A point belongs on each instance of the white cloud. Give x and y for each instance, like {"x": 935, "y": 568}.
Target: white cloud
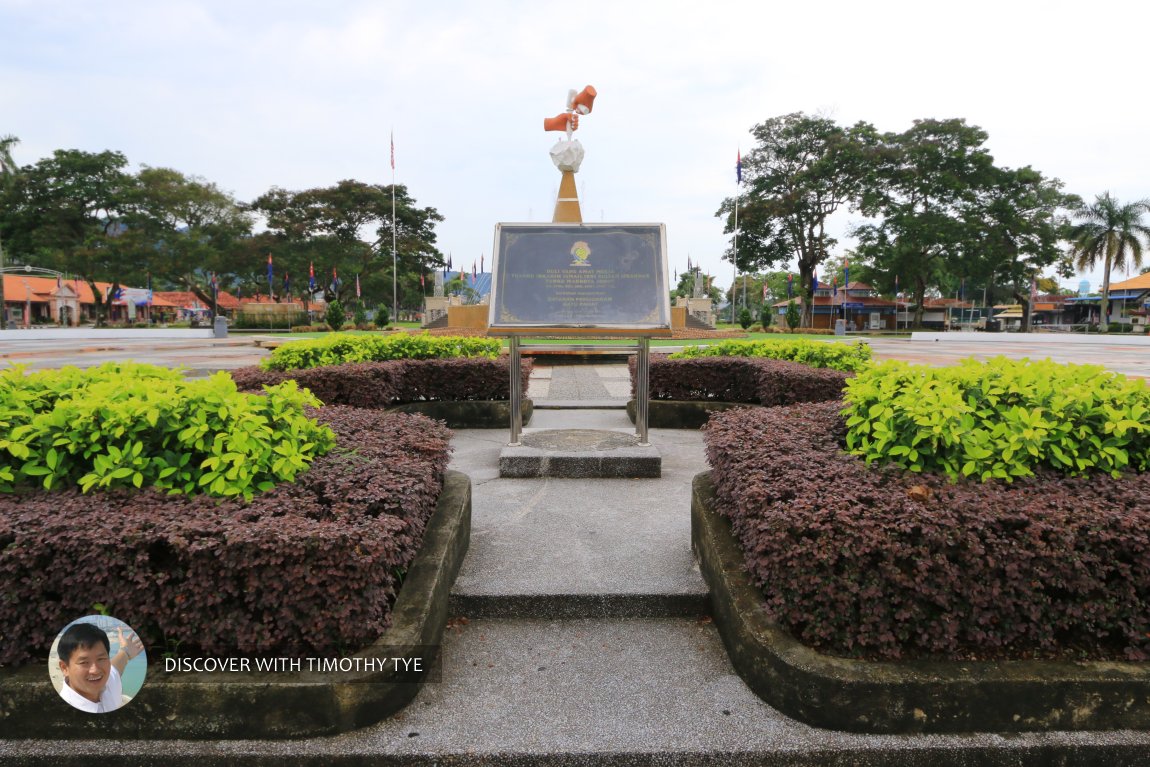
{"x": 297, "y": 94}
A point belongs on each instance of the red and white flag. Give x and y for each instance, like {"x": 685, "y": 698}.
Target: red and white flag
{"x": 393, "y": 150}
{"x": 357, "y": 295}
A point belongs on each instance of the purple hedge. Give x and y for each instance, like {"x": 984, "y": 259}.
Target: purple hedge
{"x": 872, "y": 562}
{"x": 383, "y": 384}
{"x": 307, "y": 567}
{"x": 753, "y": 380}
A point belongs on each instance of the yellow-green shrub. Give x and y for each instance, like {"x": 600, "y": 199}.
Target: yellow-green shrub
{"x": 848, "y": 358}
{"x": 1000, "y": 419}
{"x": 339, "y": 348}
{"x": 129, "y": 425}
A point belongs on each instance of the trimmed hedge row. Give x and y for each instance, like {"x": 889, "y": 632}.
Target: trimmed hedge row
{"x": 383, "y": 384}
{"x": 340, "y": 348}
{"x": 310, "y": 567}
{"x": 125, "y": 425}
{"x": 848, "y": 357}
{"x": 752, "y": 380}
{"x": 880, "y": 563}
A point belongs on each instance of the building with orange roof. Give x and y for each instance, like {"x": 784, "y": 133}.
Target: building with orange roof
{"x": 31, "y": 300}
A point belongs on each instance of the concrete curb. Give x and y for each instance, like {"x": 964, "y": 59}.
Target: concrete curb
{"x": 901, "y": 697}
{"x": 467, "y": 414}
{"x": 682, "y": 414}
{"x": 271, "y": 705}
{"x": 580, "y": 606}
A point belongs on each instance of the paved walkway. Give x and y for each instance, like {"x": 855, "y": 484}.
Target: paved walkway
{"x": 586, "y": 638}
{"x": 587, "y": 641}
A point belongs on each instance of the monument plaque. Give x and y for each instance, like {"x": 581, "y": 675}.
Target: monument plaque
{"x": 580, "y": 279}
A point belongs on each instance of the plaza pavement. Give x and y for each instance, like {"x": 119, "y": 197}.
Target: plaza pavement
{"x": 587, "y": 639}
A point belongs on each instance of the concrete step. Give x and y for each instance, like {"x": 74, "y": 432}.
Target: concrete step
{"x": 566, "y": 548}
{"x": 594, "y": 692}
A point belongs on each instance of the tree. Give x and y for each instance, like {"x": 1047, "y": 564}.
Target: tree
{"x": 67, "y": 210}
{"x": 926, "y": 180}
{"x": 792, "y": 316}
{"x": 335, "y": 317}
{"x": 1016, "y": 229}
{"x": 189, "y": 229}
{"x": 7, "y": 172}
{"x": 802, "y": 171}
{"x": 686, "y": 286}
{"x": 745, "y": 318}
{"x": 348, "y": 227}
{"x": 1110, "y": 232}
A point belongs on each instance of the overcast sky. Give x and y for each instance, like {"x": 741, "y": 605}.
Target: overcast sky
{"x": 252, "y": 95}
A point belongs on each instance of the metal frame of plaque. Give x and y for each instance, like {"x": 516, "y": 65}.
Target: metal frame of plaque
{"x": 580, "y": 280}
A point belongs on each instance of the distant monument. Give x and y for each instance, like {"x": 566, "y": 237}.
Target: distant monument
{"x": 568, "y": 155}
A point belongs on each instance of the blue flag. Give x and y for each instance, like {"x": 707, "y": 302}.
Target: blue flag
{"x": 739, "y": 167}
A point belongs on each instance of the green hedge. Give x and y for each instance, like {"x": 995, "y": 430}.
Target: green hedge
{"x": 848, "y": 358}
{"x": 1000, "y": 419}
{"x": 125, "y": 425}
{"x": 339, "y": 348}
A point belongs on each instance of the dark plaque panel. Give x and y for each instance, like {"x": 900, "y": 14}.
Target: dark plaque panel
{"x": 580, "y": 276}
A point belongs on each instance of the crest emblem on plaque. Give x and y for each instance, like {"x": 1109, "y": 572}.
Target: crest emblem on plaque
{"x": 581, "y": 251}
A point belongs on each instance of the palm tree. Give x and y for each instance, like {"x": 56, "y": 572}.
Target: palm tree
{"x": 1108, "y": 231}
{"x": 7, "y": 171}
{"x": 7, "y": 164}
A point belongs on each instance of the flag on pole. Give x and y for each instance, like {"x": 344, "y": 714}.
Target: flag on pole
{"x": 287, "y": 284}
{"x": 481, "y": 255}
{"x": 896, "y": 286}
{"x": 739, "y": 167}
{"x": 357, "y": 294}
{"x": 814, "y": 281}
{"x": 311, "y": 277}
{"x": 393, "y": 150}
{"x": 790, "y": 285}
{"x": 764, "y": 292}
{"x": 269, "y": 274}
{"x": 474, "y": 274}
{"x": 421, "y": 283}
{"x": 835, "y": 287}
{"x": 846, "y": 273}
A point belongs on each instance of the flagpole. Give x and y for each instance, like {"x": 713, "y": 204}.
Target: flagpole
{"x": 394, "y": 272}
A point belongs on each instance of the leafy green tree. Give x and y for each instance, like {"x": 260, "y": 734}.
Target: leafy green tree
{"x": 7, "y": 174}
{"x": 686, "y": 286}
{"x": 335, "y": 316}
{"x": 190, "y": 229}
{"x": 1109, "y": 232}
{"x": 924, "y": 184}
{"x": 359, "y": 316}
{"x": 66, "y": 212}
{"x": 801, "y": 172}
{"x": 382, "y": 317}
{"x": 792, "y": 316}
{"x": 1016, "y": 228}
{"x": 349, "y": 227}
{"x": 765, "y": 315}
{"x": 745, "y": 318}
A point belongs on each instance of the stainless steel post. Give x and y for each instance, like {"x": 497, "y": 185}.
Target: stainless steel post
{"x": 642, "y": 391}
{"x": 516, "y": 393}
